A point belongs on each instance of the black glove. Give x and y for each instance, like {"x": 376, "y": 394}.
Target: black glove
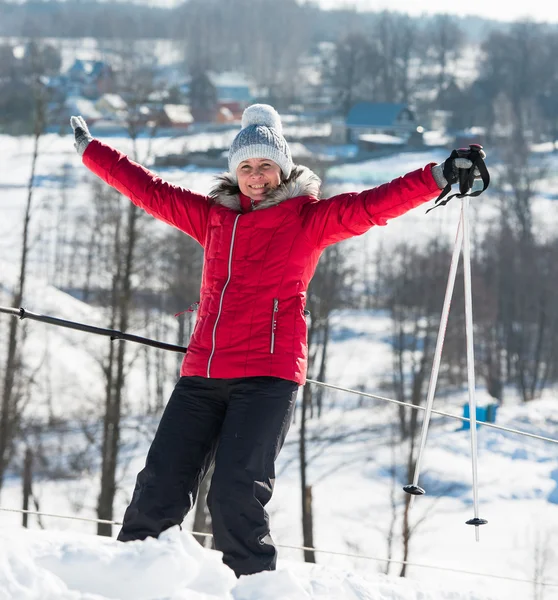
{"x": 82, "y": 135}
{"x": 450, "y": 171}
{"x": 463, "y": 166}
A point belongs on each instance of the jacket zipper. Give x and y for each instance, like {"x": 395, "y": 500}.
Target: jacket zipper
{"x": 222, "y": 296}
{"x": 274, "y": 323}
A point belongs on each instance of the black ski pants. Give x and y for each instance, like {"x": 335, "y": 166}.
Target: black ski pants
{"x": 240, "y": 424}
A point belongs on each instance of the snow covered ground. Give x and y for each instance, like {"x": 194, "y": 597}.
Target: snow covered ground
{"x": 69, "y": 566}
{"x": 352, "y": 483}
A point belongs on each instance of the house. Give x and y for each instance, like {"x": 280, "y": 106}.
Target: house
{"x": 392, "y": 119}
{"x": 112, "y": 107}
{"x": 233, "y": 88}
{"x": 94, "y": 77}
{"x": 176, "y": 116}
{"x": 225, "y": 115}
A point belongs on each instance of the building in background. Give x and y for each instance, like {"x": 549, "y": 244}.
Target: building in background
{"x": 395, "y": 120}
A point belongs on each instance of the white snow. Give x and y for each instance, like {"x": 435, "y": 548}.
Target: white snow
{"x": 352, "y": 485}
{"x": 41, "y": 565}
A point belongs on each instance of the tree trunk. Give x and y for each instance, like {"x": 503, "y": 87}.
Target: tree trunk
{"x": 323, "y": 364}
{"x": 392, "y": 500}
{"x": 27, "y": 480}
{"x": 406, "y": 534}
{"x": 306, "y": 495}
{"x": 113, "y": 413}
{"x": 407, "y": 530}
{"x": 9, "y": 410}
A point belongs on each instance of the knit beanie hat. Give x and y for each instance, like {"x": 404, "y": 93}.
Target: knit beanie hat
{"x": 261, "y": 136}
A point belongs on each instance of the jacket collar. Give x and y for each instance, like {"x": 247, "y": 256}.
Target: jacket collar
{"x": 302, "y": 182}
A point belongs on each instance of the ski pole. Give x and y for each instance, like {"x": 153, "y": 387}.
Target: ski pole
{"x": 414, "y": 488}
{"x": 476, "y": 521}
{"x": 462, "y": 241}
{"x": 114, "y": 334}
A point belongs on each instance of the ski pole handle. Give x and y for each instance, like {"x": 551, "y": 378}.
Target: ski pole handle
{"x": 467, "y": 177}
{"x": 464, "y": 181}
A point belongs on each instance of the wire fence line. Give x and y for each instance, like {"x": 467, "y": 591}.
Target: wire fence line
{"x": 56, "y": 516}
{"x": 377, "y": 397}
{"x": 438, "y": 412}
{"x": 119, "y": 335}
{"x": 548, "y": 583}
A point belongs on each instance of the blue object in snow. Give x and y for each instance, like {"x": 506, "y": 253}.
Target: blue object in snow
{"x": 483, "y": 413}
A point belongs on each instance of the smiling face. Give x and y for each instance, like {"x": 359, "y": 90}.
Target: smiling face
{"x": 257, "y": 176}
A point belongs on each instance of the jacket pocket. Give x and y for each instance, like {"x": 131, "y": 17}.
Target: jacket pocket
{"x": 274, "y": 324}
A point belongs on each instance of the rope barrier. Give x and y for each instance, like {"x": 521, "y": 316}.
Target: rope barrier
{"x": 311, "y": 549}
{"x": 119, "y": 335}
{"x": 391, "y": 400}
{"x": 422, "y": 565}
{"x": 70, "y": 517}
{"x": 438, "y": 412}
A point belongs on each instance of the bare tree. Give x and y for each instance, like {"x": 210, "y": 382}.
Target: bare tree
{"x": 514, "y": 61}
{"x": 136, "y": 82}
{"x": 250, "y": 33}
{"x": 10, "y": 409}
{"x": 416, "y": 280}
{"x": 445, "y": 44}
{"x": 115, "y": 370}
{"x": 395, "y": 41}
{"x": 8, "y": 62}
{"x": 202, "y": 95}
{"x": 329, "y": 289}
{"x": 527, "y": 275}
{"x": 353, "y": 70}
{"x": 546, "y": 99}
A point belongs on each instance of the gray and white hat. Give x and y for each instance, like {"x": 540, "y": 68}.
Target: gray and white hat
{"x": 261, "y": 136}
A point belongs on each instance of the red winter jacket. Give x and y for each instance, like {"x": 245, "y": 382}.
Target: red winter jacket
{"x": 258, "y": 264}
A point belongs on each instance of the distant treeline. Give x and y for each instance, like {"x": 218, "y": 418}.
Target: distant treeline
{"x": 504, "y": 82}
{"x": 78, "y": 19}
{"x": 84, "y": 19}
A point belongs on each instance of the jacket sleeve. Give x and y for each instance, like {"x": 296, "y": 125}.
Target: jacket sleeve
{"x": 186, "y": 210}
{"x": 347, "y": 215}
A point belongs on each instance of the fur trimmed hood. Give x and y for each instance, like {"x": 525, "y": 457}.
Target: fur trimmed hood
{"x": 302, "y": 182}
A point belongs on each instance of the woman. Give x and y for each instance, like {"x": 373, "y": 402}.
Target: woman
{"x": 263, "y": 230}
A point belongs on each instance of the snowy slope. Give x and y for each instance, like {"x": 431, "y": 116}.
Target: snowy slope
{"x": 64, "y": 566}
{"x": 352, "y": 486}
